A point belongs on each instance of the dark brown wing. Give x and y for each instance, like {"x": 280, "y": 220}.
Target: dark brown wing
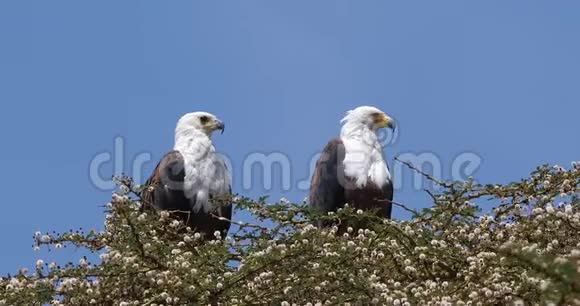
{"x": 388, "y": 195}
{"x": 164, "y": 189}
{"x": 330, "y": 188}
{"x": 326, "y": 189}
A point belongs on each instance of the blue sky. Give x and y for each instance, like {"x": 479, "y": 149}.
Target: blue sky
{"x": 496, "y": 78}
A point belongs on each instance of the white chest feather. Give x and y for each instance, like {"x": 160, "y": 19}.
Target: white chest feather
{"x": 206, "y": 174}
{"x": 364, "y": 162}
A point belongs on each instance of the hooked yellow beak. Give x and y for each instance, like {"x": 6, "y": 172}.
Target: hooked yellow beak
{"x": 215, "y": 125}
{"x": 382, "y": 121}
{"x": 220, "y": 126}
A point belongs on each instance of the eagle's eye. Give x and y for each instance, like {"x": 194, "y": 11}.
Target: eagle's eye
{"x": 377, "y": 116}
{"x": 204, "y": 119}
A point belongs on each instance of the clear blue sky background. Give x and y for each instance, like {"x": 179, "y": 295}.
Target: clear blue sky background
{"x": 498, "y": 78}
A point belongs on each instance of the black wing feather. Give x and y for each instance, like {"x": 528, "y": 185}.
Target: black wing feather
{"x": 165, "y": 191}
{"x": 165, "y": 186}
{"x": 326, "y": 190}
{"x": 330, "y": 189}
{"x": 388, "y": 195}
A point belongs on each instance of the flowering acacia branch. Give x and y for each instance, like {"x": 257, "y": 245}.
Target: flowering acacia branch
{"x": 523, "y": 247}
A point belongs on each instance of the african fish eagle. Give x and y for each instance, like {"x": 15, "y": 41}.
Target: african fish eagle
{"x": 192, "y": 178}
{"x": 351, "y": 169}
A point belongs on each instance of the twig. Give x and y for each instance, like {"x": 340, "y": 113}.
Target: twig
{"x": 431, "y": 195}
{"x": 423, "y": 173}
{"x": 414, "y": 212}
{"x": 238, "y": 223}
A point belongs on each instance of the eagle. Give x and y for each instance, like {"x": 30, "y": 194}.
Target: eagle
{"x": 192, "y": 179}
{"x": 351, "y": 168}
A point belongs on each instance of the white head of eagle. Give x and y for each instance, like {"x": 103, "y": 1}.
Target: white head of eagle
{"x": 192, "y": 176}
{"x": 351, "y": 169}
{"x": 364, "y": 153}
